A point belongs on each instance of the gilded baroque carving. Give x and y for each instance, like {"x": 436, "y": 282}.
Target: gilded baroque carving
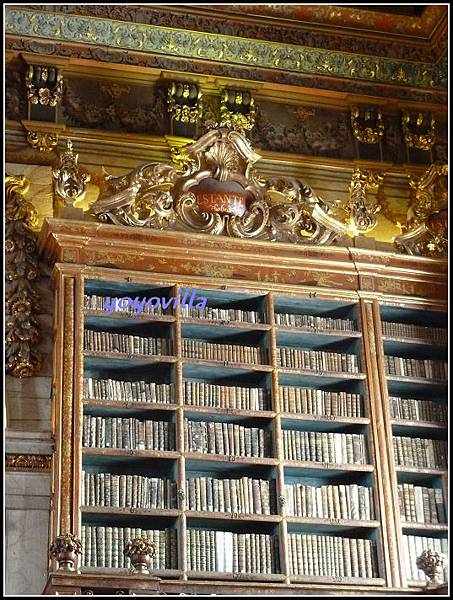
{"x": 44, "y": 85}
{"x": 22, "y": 268}
{"x": 184, "y": 102}
{"x": 422, "y": 140}
{"x": 237, "y": 110}
{"x": 69, "y": 183}
{"x": 42, "y": 140}
{"x": 363, "y": 130}
{"x": 27, "y": 462}
{"x": 361, "y": 209}
{"x": 218, "y": 193}
{"x": 426, "y": 229}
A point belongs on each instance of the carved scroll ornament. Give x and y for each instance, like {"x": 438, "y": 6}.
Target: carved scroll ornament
{"x": 216, "y": 190}
{"x": 69, "y": 182}
{"x": 426, "y": 229}
{"x": 22, "y": 302}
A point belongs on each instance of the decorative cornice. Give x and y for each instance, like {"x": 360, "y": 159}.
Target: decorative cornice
{"x": 28, "y": 462}
{"x": 221, "y": 48}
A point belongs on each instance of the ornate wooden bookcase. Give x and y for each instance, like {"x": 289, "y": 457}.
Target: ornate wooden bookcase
{"x": 367, "y": 286}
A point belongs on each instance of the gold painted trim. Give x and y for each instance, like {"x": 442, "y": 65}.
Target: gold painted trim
{"x": 28, "y": 462}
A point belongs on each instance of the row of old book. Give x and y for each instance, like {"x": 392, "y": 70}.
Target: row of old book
{"x": 417, "y": 410}
{"x": 228, "y": 552}
{"x": 331, "y": 556}
{"x": 224, "y": 352}
{"x": 295, "y": 358}
{"x": 420, "y": 504}
{"x": 197, "y": 393}
{"x": 102, "y": 546}
{"x": 329, "y": 501}
{"x": 412, "y": 367}
{"x": 408, "y": 330}
{"x": 413, "y": 546}
{"x": 315, "y": 322}
{"x": 104, "y": 341}
{"x": 316, "y": 446}
{"x": 135, "y": 391}
{"x": 130, "y": 433}
{"x": 227, "y": 438}
{"x": 309, "y": 401}
{"x": 420, "y": 452}
{"x": 222, "y": 314}
{"x": 99, "y": 303}
{"x": 137, "y": 491}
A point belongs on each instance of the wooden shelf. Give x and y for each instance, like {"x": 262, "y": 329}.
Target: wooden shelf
{"x": 333, "y": 522}
{"x": 329, "y": 374}
{"x": 225, "y": 363}
{"x": 262, "y": 414}
{"x": 235, "y": 576}
{"x": 226, "y": 323}
{"x": 129, "y": 510}
{"x": 130, "y": 316}
{"x": 170, "y": 573}
{"x": 243, "y": 460}
{"x": 414, "y": 341}
{"x": 420, "y": 424}
{"x": 124, "y": 452}
{"x": 339, "y": 333}
{"x": 128, "y": 404}
{"x": 223, "y": 516}
{"x": 326, "y": 419}
{"x": 418, "y": 380}
{"x": 420, "y": 470}
{"x": 328, "y": 466}
{"x": 149, "y": 358}
{"x": 406, "y": 525}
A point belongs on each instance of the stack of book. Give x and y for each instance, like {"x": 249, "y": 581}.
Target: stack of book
{"x": 309, "y": 401}
{"x": 130, "y": 391}
{"x": 226, "y": 438}
{"x": 413, "y": 546}
{"x": 244, "y": 495}
{"x": 331, "y": 556}
{"x": 224, "y": 352}
{"x": 197, "y": 393}
{"x": 329, "y": 501}
{"x": 228, "y": 552}
{"x": 420, "y": 504}
{"x": 412, "y": 367}
{"x": 98, "y": 303}
{"x": 133, "y": 434}
{"x": 313, "y": 322}
{"x": 103, "y": 546}
{"x": 222, "y": 314}
{"x": 103, "y": 341}
{"x": 341, "y": 448}
{"x": 107, "y": 489}
{"x": 294, "y": 358}
{"x": 420, "y": 452}
{"x": 407, "y": 330}
{"x": 417, "y": 410}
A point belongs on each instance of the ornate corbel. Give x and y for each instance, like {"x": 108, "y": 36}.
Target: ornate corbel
{"x": 367, "y": 127}
{"x": 69, "y": 182}
{"x": 43, "y": 136}
{"x": 421, "y": 140}
{"x": 426, "y": 229}
{"x": 44, "y": 85}
{"x": 237, "y": 110}
{"x": 361, "y": 209}
{"x": 184, "y": 102}
{"x": 22, "y": 268}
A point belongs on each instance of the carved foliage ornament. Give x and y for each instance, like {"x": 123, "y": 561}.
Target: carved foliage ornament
{"x": 237, "y": 110}
{"x": 432, "y": 564}
{"x": 44, "y": 85}
{"x": 65, "y": 548}
{"x": 425, "y": 137}
{"x": 140, "y": 551}
{"x": 184, "y": 102}
{"x": 22, "y": 302}
{"x": 426, "y": 229}
{"x": 69, "y": 183}
{"x": 42, "y": 140}
{"x": 361, "y": 209}
{"x": 363, "y": 128}
{"x": 219, "y": 193}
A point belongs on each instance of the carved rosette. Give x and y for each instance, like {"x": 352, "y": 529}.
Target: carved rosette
{"x": 44, "y": 85}
{"x": 65, "y": 549}
{"x": 22, "y": 268}
{"x": 426, "y": 230}
{"x": 184, "y": 102}
{"x": 215, "y": 190}
{"x": 363, "y": 129}
{"x": 69, "y": 183}
{"x": 237, "y": 110}
{"x": 425, "y": 136}
{"x": 432, "y": 564}
{"x": 140, "y": 551}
